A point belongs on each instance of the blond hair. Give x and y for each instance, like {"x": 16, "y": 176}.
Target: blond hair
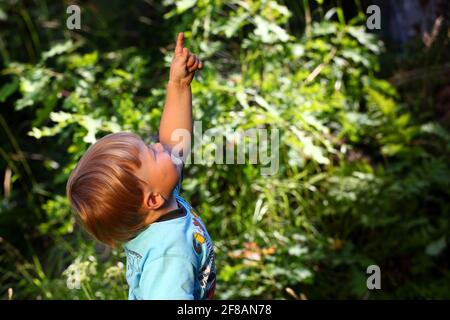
{"x": 104, "y": 190}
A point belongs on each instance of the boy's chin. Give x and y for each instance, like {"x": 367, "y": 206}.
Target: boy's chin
{"x": 175, "y": 160}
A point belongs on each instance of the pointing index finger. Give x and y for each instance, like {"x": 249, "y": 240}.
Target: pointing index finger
{"x": 179, "y": 46}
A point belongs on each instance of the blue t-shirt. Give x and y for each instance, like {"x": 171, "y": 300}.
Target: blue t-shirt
{"x": 172, "y": 259}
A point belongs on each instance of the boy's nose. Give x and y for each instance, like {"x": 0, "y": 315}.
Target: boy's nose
{"x": 158, "y": 147}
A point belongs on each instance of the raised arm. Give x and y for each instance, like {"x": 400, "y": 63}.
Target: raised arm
{"x": 177, "y": 113}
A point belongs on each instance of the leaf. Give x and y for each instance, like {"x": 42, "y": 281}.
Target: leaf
{"x": 302, "y": 274}
{"x": 43, "y": 113}
{"x": 233, "y": 24}
{"x": 58, "y": 49}
{"x": 330, "y": 13}
{"x": 358, "y": 283}
{"x": 436, "y": 247}
{"x": 242, "y": 98}
{"x": 382, "y": 102}
{"x": 260, "y": 210}
{"x": 391, "y": 149}
{"x": 269, "y": 32}
{"x": 297, "y": 251}
{"x": 92, "y": 126}
{"x": 365, "y": 39}
{"x": 263, "y": 103}
{"x": 435, "y": 128}
{"x": 9, "y": 89}
{"x": 184, "y": 5}
{"x": 309, "y": 149}
{"x": 403, "y": 120}
{"x": 33, "y": 88}
{"x": 3, "y": 15}
{"x": 298, "y": 50}
{"x": 86, "y": 60}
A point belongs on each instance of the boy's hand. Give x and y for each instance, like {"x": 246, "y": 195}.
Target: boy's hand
{"x": 184, "y": 64}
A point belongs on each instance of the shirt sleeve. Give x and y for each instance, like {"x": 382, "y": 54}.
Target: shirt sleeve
{"x": 168, "y": 278}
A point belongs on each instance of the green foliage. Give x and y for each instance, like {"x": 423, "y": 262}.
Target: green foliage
{"x": 360, "y": 181}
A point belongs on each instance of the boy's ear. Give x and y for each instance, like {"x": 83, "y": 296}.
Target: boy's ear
{"x": 153, "y": 201}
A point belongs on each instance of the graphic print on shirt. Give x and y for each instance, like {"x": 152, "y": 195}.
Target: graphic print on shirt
{"x": 199, "y": 237}
{"x": 133, "y": 261}
{"x": 207, "y": 273}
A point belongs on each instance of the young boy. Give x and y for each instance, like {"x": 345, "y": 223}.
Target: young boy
{"x": 127, "y": 192}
